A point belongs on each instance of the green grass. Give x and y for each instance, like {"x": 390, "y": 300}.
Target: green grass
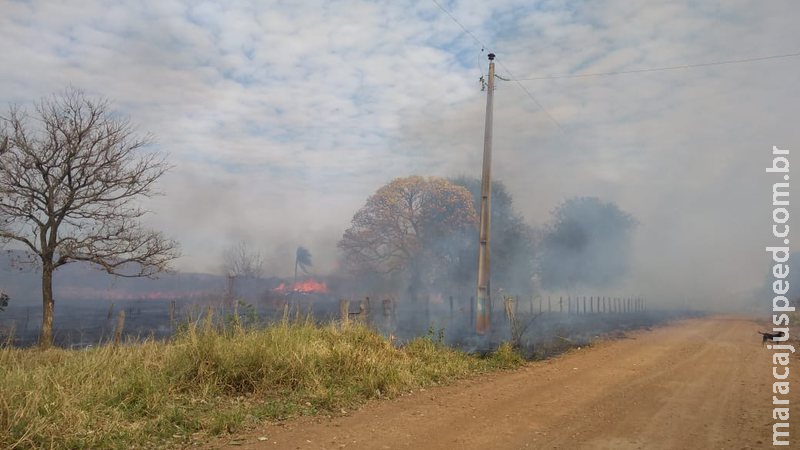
{"x": 206, "y": 382}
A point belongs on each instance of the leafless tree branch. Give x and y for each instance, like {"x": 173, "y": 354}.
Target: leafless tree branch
{"x": 242, "y": 261}
{"x": 71, "y": 176}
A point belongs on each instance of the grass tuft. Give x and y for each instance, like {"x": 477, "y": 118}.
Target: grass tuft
{"x": 207, "y": 382}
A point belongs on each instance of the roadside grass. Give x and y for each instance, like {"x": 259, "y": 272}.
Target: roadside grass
{"x": 209, "y": 381}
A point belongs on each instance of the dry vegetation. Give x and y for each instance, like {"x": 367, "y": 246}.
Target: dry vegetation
{"x": 209, "y": 381}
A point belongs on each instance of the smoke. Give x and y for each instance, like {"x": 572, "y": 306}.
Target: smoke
{"x": 288, "y": 161}
{"x": 513, "y": 242}
{"x": 586, "y": 245}
{"x": 767, "y": 291}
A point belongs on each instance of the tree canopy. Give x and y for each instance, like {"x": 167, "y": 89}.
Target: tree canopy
{"x": 411, "y": 221}
{"x": 302, "y": 260}
{"x": 513, "y": 241}
{"x": 587, "y": 243}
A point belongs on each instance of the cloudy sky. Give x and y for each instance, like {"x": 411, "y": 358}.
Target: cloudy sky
{"x": 282, "y": 117}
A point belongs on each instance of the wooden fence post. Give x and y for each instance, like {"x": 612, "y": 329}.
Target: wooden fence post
{"x": 120, "y": 326}
{"x": 508, "y": 304}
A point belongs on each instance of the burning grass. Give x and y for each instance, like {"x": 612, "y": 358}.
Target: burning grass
{"x": 208, "y": 381}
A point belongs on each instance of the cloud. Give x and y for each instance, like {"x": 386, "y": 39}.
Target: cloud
{"x": 282, "y": 117}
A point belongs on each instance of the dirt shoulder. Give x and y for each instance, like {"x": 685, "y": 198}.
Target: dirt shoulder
{"x": 699, "y": 383}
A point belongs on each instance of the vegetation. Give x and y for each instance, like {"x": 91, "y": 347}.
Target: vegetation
{"x": 586, "y": 244}
{"x": 242, "y": 261}
{"x": 404, "y": 221}
{"x": 513, "y": 242}
{"x": 209, "y": 381}
{"x": 70, "y": 176}
{"x": 302, "y": 261}
{"x": 410, "y": 233}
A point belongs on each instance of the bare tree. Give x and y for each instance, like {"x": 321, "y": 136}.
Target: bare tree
{"x": 70, "y": 176}
{"x": 242, "y": 261}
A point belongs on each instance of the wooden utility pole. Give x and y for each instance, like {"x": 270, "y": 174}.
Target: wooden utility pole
{"x": 483, "y": 305}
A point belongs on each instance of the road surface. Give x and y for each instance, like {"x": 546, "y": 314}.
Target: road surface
{"x": 696, "y": 384}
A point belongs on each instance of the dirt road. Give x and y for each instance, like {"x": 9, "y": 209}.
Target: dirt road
{"x": 697, "y": 384}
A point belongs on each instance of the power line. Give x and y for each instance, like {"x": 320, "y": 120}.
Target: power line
{"x": 657, "y": 69}
{"x": 474, "y": 38}
{"x": 522, "y": 86}
{"x": 486, "y": 47}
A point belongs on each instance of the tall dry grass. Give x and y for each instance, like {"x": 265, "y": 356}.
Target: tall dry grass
{"x": 208, "y": 381}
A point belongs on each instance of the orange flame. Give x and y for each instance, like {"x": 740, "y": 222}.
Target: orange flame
{"x": 309, "y": 286}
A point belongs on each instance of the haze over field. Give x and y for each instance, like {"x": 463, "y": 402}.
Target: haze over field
{"x": 282, "y": 118}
